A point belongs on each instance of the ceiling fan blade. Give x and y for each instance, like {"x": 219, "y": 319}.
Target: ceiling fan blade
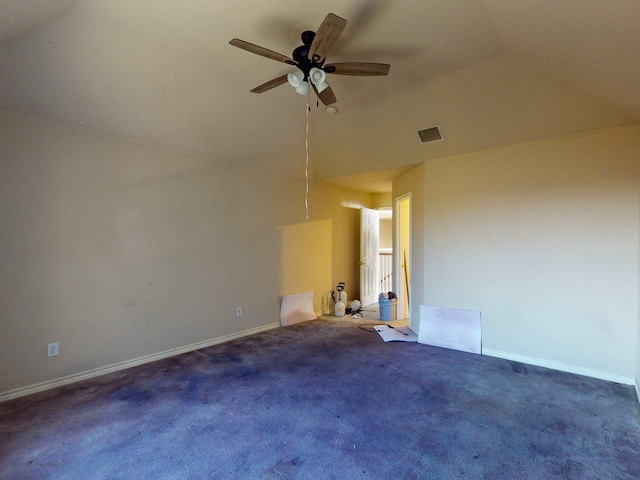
{"x": 365, "y": 69}
{"x": 327, "y": 34}
{"x": 265, "y": 52}
{"x": 270, "y": 84}
{"x": 326, "y": 96}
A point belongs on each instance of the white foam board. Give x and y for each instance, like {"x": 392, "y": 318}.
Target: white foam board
{"x": 297, "y": 308}
{"x": 451, "y": 328}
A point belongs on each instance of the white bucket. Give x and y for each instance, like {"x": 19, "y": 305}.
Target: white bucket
{"x": 388, "y": 309}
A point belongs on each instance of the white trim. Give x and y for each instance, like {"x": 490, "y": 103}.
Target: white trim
{"x": 637, "y": 389}
{"x": 77, "y": 377}
{"x": 563, "y": 367}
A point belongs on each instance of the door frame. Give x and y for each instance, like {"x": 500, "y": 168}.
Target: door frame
{"x": 402, "y": 236}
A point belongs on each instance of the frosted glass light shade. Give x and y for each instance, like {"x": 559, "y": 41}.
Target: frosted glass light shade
{"x": 319, "y": 79}
{"x": 297, "y": 81}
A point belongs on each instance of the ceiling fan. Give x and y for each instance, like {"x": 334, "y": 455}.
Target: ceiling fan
{"x": 309, "y": 58}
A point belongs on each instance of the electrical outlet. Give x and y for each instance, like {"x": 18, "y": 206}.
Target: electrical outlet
{"x": 239, "y": 312}
{"x": 52, "y": 349}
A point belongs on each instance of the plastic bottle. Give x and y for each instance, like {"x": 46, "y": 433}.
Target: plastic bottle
{"x": 342, "y": 294}
{"x": 340, "y": 308}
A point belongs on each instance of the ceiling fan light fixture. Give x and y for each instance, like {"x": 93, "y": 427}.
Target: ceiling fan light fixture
{"x": 297, "y": 81}
{"x": 319, "y": 79}
{"x": 303, "y": 88}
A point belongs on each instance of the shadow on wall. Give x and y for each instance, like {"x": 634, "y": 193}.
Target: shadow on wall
{"x": 306, "y": 259}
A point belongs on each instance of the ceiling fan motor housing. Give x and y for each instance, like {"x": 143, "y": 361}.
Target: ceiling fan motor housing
{"x": 307, "y": 37}
{"x": 301, "y": 56}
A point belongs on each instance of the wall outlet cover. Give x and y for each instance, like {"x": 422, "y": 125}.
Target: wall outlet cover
{"x": 53, "y": 349}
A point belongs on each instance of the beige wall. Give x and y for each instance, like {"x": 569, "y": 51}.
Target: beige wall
{"x": 386, "y": 233}
{"x": 381, "y": 200}
{"x": 331, "y": 245}
{"x": 542, "y": 238}
{"x": 119, "y": 250}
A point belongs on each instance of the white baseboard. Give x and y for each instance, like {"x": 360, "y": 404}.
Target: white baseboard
{"x": 563, "y": 367}
{"x": 637, "y": 383}
{"x": 77, "y": 377}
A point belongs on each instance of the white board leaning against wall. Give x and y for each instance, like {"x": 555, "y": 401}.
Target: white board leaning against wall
{"x": 451, "y": 328}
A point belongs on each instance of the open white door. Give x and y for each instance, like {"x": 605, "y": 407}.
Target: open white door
{"x": 369, "y": 241}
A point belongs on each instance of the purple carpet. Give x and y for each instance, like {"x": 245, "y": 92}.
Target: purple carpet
{"x": 325, "y": 400}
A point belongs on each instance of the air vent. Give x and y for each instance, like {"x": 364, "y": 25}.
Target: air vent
{"x": 430, "y": 134}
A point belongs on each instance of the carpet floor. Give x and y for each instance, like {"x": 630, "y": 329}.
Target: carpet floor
{"x": 325, "y": 400}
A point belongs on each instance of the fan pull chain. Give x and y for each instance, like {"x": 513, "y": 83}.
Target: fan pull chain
{"x": 306, "y": 167}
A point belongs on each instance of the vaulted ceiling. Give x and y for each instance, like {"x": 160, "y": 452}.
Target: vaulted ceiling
{"x": 489, "y": 72}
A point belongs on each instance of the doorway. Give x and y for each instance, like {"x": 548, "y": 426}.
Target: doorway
{"x": 402, "y": 255}
{"x": 385, "y": 249}
{"x": 376, "y": 249}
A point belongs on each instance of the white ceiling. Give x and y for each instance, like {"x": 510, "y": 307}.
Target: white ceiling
{"x": 489, "y": 72}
